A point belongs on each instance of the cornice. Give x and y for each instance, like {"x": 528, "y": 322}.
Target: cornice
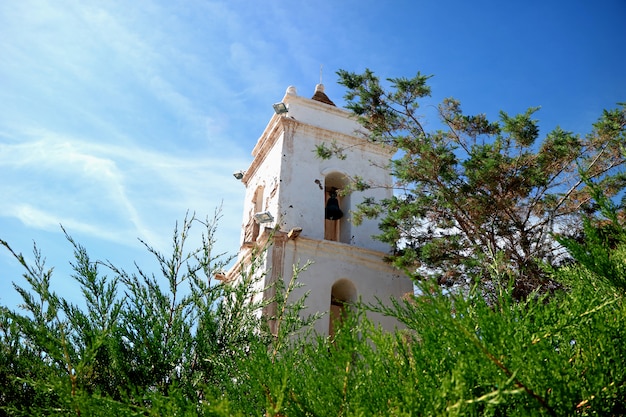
{"x": 281, "y": 124}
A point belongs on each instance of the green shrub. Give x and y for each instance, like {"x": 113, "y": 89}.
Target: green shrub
{"x": 179, "y": 344}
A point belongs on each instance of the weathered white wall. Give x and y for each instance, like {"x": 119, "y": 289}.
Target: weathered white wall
{"x": 333, "y": 261}
{"x": 293, "y": 180}
{"x": 293, "y": 177}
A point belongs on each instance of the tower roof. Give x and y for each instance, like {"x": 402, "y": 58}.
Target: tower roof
{"x": 321, "y": 96}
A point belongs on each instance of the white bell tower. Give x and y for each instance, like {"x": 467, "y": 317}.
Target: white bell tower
{"x": 287, "y": 200}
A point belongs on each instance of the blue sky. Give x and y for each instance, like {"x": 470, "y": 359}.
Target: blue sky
{"x": 117, "y": 117}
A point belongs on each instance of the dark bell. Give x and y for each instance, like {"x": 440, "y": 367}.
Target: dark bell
{"x": 333, "y": 212}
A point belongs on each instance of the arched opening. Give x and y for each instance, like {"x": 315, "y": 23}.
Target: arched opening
{"x": 342, "y": 294}
{"x": 258, "y": 207}
{"x": 336, "y": 227}
{"x": 252, "y": 227}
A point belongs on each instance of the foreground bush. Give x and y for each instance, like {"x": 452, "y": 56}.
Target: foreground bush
{"x": 183, "y": 345}
{"x": 138, "y": 343}
{"x": 552, "y": 354}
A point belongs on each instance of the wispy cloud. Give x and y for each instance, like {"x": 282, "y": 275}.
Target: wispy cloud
{"x": 36, "y": 218}
{"x": 121, "y": 192}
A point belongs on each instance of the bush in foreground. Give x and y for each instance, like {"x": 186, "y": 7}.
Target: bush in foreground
{"x": 179, "y": 344}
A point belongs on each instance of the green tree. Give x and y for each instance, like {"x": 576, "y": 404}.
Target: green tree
{"x": 171, "y": 342}
{"x": 137, "y": 342}
{"x": 458, "y": 355}
{"x": 477, "y": 191}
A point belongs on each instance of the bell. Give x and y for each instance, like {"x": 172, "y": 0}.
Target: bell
{"x": 333, "y": 212}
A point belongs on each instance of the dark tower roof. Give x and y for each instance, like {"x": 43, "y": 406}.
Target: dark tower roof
{"x": 321, "y": 96}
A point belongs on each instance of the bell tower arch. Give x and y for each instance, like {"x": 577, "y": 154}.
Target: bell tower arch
{"x": 336, "y": 206}
{"x": 301, "y": 206}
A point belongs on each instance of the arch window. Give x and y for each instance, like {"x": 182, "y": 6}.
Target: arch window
{"x": 343, "y": 292}
{"x": 252, "y": 227}
{"x": 337, "y": 205}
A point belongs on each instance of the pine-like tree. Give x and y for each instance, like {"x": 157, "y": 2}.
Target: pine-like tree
{"x": 478, "y": 192}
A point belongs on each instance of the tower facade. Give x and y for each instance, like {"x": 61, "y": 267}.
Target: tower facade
{"x": 295, "y": 205}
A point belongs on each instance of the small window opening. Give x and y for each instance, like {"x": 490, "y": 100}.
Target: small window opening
{"x": 336, "y": 208}
{"x": 252, "y": 227}
{"x": 342, "y": 294}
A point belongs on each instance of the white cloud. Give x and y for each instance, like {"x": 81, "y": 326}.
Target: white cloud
{"x": 124, "y": 115}
{"x": 121, "y": 192}
{"x": 39, "y": 219}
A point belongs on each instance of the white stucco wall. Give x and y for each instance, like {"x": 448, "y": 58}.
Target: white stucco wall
{"x": 293, "y": 178}
{"x": 333, "y": 262}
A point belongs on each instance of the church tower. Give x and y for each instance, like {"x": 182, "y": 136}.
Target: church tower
{"x": 294, "y": 199}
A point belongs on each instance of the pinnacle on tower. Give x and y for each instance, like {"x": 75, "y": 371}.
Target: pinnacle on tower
{"x": 321, "y": 96}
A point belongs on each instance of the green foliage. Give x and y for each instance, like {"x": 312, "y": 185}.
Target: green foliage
{"x": 140, "y": 345}
{"x": 602, "y": 247}
{"x": 324, "y": 151}
{"x": 139, "y": 342}
{"x": 477, "y": 190}
{"x": 466, "y": 355}
{"x": 172, "y": 343}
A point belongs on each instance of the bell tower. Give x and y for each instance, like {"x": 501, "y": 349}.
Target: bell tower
{"x": 300, "y": 206}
